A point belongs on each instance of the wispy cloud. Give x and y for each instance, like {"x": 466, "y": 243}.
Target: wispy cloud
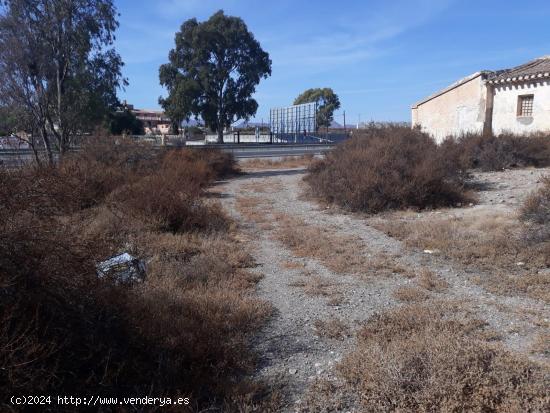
{"x": 364, "y": 36}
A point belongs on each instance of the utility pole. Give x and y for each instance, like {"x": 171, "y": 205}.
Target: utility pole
{"x": 344, "y": 121}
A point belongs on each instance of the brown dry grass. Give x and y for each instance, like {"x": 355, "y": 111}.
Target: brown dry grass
{"x": 184, "y": 331}
{"x": 435, "y": 358}
{"x": 339, "y": 253}
{"x": 333, "y": 328}
{"x": 431, "y": 281}
{"x": 256, "y": 210}
{"x": 541, "y": 344}
{"x": 492, "y": 241}
{"x": 283, "y": 163}
{"x": 410, "y": 294}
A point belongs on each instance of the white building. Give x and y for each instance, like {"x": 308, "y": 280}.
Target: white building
{"x": 513, "y": 100}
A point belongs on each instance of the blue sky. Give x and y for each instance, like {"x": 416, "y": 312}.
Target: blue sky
{"x": 378, "y": 56}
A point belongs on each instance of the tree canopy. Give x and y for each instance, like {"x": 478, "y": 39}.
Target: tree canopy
{"x": 57, "y": 64}
{"x": 327, "y": 103}
{"x": 213, "y": 72}
{"x": 124, "y": 121}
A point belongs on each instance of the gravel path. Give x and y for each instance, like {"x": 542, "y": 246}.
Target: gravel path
{"x": 291, "y": 352}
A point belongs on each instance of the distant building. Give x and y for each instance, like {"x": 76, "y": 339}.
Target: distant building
{"x": 514, "y": 100}
{"x": 155, "y": 122}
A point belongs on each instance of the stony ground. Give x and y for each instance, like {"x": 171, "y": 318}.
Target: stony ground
{"x": 292, "y": 348}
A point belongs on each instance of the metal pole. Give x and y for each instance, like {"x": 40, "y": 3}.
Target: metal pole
{"x": 344, "y": 122}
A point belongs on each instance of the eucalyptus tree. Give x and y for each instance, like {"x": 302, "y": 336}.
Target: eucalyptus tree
{"x": 327, "y": 103}
{"x": 213, "y": 72}
{"x": 58, "y": 65}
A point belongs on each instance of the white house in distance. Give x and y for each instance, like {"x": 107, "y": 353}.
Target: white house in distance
{"x": 513, "y": 100}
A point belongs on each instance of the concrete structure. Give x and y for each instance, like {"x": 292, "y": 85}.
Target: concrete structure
{"x": 513, "y": 100}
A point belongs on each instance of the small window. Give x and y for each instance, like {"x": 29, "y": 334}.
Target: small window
{"x": 525, "y": 105}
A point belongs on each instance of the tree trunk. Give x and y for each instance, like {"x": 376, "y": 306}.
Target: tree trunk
{"x": 47, "y": 145}
{"x": 220, "y": 135}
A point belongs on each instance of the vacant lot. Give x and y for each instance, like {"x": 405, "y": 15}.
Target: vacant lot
{"x": 403, "y": 311}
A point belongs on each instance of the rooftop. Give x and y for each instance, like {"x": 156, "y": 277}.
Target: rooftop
{"x": 537, "y": 68}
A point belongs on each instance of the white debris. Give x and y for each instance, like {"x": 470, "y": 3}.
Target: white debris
{"x": 123, "y": 268}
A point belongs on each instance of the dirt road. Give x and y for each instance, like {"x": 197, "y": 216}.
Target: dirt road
{"x": 319, "y": 302}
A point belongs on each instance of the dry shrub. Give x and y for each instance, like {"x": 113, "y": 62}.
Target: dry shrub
{"x": 220, "y": 164}
{"x": 184, "y": 331}
{"x": 420, "y": 358}
{"x": 387, "y": 168}
{"x": 431, "y": 281}
{"x": 409, "y": 294}
{"x": 537, "y": 206}
{"x": 493, "y": 153}
{"x": 333, "y": 328}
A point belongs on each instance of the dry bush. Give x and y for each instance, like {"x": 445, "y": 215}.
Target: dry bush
{"x": 419, "y": 358}
{"x": 493, "y": 153}
{"x": 387, "y": 168}
{"x": 431, "y": 281}
{"x": 333, "y": 328}
{"x": 220, "y": 164}
{"x": 537, "y": 206}
{"x": 410, "y": 294}
{"x": 184, "y": 331}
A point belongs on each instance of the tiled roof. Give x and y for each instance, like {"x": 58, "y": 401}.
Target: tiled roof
{"x": 535, "y": 69}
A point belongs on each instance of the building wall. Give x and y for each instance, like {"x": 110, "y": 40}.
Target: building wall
{"x": 459, "y": 109}
{"x": 505, "y": 118}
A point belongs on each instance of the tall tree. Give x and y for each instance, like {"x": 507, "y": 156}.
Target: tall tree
{"x": 327, "y": 103}
{"x": 213, "y": 72}
{"x": 57, "y": 64}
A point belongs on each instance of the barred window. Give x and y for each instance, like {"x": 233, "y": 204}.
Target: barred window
{"x": 525, "y": 105}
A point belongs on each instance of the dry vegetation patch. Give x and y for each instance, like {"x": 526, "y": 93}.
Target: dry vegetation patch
{"x": 431, "y": 281}
{"x": 495, "y": 242}
{"x": 420, "y": 358}
{"x": 281, "y": 163}
{"x": 333, "y": 328}
{"x": 387, "y": 168}
{"x": 410, "y": 294}
{"x": 183, "y": 331}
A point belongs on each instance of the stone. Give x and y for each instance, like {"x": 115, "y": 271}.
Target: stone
{"x": 292, "y": 371}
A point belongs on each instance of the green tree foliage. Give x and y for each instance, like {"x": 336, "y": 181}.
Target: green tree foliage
{"x": 124, "y": 121}
{"x": 58, "y": 66}
{"x": 8, "y": 121}
{"x": 213, "y": 72}
{"x": 327, "y": 103}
